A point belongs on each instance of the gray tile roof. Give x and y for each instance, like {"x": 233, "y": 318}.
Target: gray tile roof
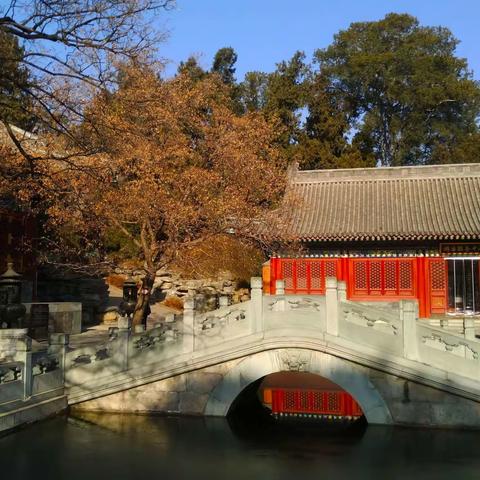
{"x": 394, "y": 203}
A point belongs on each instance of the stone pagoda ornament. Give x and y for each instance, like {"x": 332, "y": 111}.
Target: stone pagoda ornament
{"x": 12, "y": 312}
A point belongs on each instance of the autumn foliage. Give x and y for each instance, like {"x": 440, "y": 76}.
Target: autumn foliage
{"x": 169, "y": 170}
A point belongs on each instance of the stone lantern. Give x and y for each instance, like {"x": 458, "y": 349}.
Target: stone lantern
{"x": 130, "y": 294}
{"x": 12, "y": 311}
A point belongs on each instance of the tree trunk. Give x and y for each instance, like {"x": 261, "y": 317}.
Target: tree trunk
{"x": 142, "y": 309}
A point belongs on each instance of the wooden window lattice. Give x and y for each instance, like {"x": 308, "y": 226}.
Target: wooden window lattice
{"x": 302, "y": 280}
{"x": 391, "y": 275}
{"x": 375, "y": 276}
{"x": 317, "y": 279}
{"x": 437, "y": 274}
{"x": 360, "y": 275}
{"x": 287, "y": 273}
{"x": 383, "y": 277}
{"x": 330, "y": 268}
{"x": 406, "y": 275}
{"x": 306, "y": 275}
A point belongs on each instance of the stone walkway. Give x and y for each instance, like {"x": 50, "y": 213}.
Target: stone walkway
{"x": 99, "y": 333}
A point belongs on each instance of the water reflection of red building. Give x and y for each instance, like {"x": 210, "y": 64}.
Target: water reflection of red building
{"x": 390, "y": 234}
{"x": 300, "y": 394}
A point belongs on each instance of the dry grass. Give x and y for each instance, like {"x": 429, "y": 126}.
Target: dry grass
{"x": 116, "y": 280}
{"x": 173, "y": 302}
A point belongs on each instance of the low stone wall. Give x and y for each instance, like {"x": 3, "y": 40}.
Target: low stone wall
{"x": 31, "y": 383}
{"x": 64, "y": 317}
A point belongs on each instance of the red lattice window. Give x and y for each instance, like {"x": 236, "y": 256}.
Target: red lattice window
{"x": 406, "y": 275}
{"x": 330, "y": 268}
{"x": 375, "y": 284}
{"x": 306, "y": 275}
{"x": 302, "y": 275}
{"x": 317, "y": 278}
{"x": 382, "y": 277}
{"x": 438, "y": 285}
{"x": 360, "y": 275}
{"x": 390, "y": 272}
{"x": 287, "y": 273}
{"x": 437, "y": 274}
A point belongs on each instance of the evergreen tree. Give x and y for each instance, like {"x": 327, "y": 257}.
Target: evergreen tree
{"x": 191, "y": 68}
{"x": 253, "y": 91}
{"x": 285, "y": 96}
{"x": 224, "y": 64}
{"x": 15, "y": 104}
{"x": 323, "y": 142}
{"x": 408, "y": 98}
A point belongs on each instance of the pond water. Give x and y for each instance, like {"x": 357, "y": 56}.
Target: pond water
{"x": 141, "y": 447}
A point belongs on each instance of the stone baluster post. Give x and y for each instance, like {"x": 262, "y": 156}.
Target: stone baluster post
{"x": 188, "y": 325}
{"x": 24, "y": 354}
{"x": 58, "y": 345}
{"x": 280, "y": 303}
{"x": 469, "y": 328}
{"x": 223, "y": 301}
{"x": 331, "y": 303}
{"x": 256, "y": 285}
{"x": 469, "y": 333}
{"x": 408, "y": 314}
{"x": 279, "y": 287}
{"x": 124, "y": 325}
{"x": 342, "y": 291}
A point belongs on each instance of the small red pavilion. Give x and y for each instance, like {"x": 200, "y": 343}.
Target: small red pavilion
{"x": 390, "y": 233}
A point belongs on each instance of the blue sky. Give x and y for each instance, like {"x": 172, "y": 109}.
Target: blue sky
{"x": 264, "y": 32}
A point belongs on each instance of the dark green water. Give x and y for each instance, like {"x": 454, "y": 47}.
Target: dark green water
{"x": 140, "y": 447}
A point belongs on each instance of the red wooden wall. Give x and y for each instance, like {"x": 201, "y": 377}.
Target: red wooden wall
{"x": 383, "y": 279}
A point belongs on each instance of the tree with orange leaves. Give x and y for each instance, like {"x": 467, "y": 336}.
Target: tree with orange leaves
{"x": 175, "y": 170}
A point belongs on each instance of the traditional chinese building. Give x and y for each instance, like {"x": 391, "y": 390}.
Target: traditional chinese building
{"x": 390, "y": 233}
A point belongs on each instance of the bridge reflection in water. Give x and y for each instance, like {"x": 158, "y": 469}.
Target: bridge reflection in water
{"x": 102, "y": 446}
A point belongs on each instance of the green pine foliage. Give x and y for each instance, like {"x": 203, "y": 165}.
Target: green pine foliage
{"x": 15, "y": 103}
{"x": 387, "y": 92}
{"x": 408, "y": 97}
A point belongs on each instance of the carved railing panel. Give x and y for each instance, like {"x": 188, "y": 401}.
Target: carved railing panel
{"x": 365, "y": 325}
{"x": 92, "y": 354}
{"x": 10, "y": 372}
{"x": 450, "y": 352}
{"x": 156, "y": 336}
{"x": 448, "y": 343}
{"x": 365, "y": 316}
{"x": 44, "y": 362}
{"x": 286, "y": 303}
{"x": 224, "y": 317}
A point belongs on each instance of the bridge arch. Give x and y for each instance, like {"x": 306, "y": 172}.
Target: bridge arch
{"x": 349, "y": 376}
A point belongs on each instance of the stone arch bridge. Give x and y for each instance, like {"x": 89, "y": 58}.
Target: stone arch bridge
{"x": 399, "y": 369}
